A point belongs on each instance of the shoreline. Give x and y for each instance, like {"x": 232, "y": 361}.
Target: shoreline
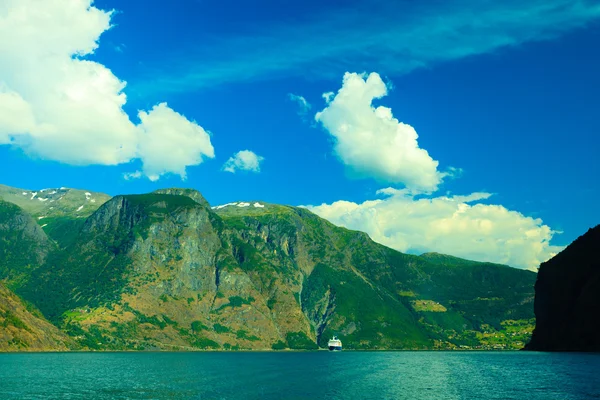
{"x": 284, "y": 351}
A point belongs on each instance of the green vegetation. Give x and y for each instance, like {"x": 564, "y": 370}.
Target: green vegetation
{"x": 23, "y": 245}
{"x": 243, "y": 334}
{"x": 204, "y": 343}
{"x": 198, "y": 326}
{"x": 279, "y": 345}
{"x": 237, "y": 301}
{"x": 62, "y": 229}
{"x": 299, "y": 340}
{"x": 358, "y": 303}
{"x": 159, "y": 203}
{"x": 221, "y": 328}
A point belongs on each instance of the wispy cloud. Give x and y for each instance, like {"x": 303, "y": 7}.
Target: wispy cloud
{"x": 303, "y": 105}
{"x": 132, "y": 175}
{"x": 391, "y": 38}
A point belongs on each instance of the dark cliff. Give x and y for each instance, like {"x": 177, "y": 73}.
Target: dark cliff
{"x": 567, "y": 298}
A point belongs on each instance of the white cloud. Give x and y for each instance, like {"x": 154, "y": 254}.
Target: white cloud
{"x": 303, "y": 105}
{"x": 370, "y": 141}
{"x": 169, "y": 142}
{"x": 132, "y": 175}
{"x": 62, "y": 107}
{"x": 457, "y": 225}
{"x": 244, "y": 160}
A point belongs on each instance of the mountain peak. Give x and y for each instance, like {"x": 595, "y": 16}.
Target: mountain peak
{"x": 191, "y": 193}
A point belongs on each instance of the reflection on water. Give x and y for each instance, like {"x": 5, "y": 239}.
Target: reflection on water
{"x": 297, "y": 375}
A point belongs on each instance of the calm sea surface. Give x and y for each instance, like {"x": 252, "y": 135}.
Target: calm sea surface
{"x": 300, "y": 375}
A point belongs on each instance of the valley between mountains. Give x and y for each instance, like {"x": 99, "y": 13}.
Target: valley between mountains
{"x": 80, "y": 270}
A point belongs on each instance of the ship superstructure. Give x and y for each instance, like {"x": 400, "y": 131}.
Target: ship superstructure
{"x": 335, "y": 344}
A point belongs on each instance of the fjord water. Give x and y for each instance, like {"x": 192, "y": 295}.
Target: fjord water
{"x": 298, "y": 375}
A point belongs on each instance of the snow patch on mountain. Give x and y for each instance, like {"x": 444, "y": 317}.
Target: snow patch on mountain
{"x": 239, "y": 204}
{"x": 224, "y": 205}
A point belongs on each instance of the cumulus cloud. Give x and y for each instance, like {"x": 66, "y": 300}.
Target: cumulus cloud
{"x": 59, "y": 106}
{"x": 244, "y": 160}
{"x": 458, "y": 225}
{"x": 303, "y": 105}
{"x": 169, "y": 142}
{"x": 370, "y": 141}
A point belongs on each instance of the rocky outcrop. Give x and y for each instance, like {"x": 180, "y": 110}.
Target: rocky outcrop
{"x": 191, "y": 193}
{"x": 567, "y": 298}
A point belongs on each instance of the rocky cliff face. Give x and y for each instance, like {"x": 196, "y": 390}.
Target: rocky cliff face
{"x": 157, "y": 275}
{"x": 192, "y": 194}
{"x": 166, "y": 271}
{"x": 567, "y": 298}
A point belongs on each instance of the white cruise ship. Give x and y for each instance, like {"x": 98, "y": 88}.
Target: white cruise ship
{"x": 335, "y": 344}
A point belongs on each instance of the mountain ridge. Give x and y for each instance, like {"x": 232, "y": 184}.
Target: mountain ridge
{"x": 164, "y": 270}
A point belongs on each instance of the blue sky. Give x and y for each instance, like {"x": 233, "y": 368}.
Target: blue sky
{"x": 502, "y": 96}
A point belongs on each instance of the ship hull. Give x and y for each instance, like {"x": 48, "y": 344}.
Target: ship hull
{"x": 335, "y": 348}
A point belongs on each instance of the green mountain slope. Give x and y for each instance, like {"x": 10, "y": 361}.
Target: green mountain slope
{"x": 166, "y": 271}
{"x": 567, "y": 298}
{"x": 23, "y": 248}
{"x": 23, "y": 244}
{"x": 23, "y": 328}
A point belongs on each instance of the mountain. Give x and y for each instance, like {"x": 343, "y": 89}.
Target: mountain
{"x": 60, "y": 211}
{"x": 567, "y": 298}
{"x": 165, "y": 270}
